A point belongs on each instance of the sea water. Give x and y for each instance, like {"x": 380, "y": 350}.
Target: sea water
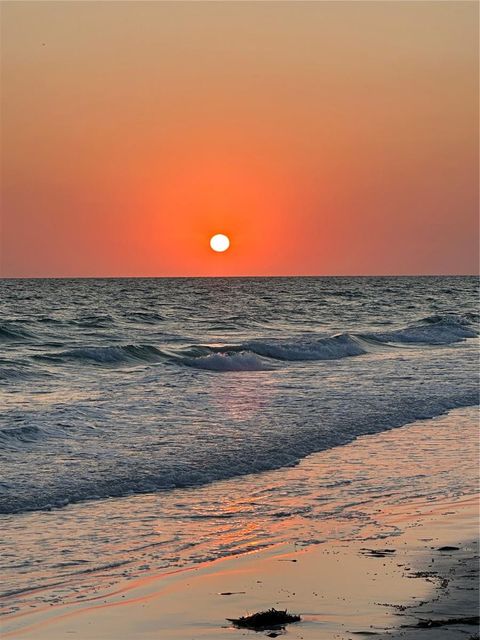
{"x": 160, "y": 390}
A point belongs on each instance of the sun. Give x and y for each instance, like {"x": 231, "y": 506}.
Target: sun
{"x": 219, "y": 242}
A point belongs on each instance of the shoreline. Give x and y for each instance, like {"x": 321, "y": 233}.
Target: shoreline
{"x": 351, "y": 544}
{"x": 339, "y": 588}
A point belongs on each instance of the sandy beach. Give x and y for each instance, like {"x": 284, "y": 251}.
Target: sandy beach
{"x": 391, "y": 580}
{"x": 341, "y": 590}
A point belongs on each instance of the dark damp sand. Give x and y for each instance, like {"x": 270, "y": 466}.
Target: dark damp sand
{"x": 451, "y": 610}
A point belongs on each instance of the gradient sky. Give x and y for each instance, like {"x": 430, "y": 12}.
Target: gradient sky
{"x": 322, "y": 137}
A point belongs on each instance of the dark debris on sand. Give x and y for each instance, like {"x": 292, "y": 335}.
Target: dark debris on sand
{"x": 448, "y": 622}
{"x": 448, "y": 548}
{"x": 377, "y": 553}
{"x": 271, "y": 619}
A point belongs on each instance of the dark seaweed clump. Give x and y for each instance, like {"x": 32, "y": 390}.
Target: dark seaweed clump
{"x": 270, "y": 619}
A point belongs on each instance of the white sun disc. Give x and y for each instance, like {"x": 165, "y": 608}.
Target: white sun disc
{"x": 219, "y": 242}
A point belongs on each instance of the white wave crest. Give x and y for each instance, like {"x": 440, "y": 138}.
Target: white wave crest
{"x": 334, "y": 348}
{"x": 240, "y": 361}
{"x": 433, "y": 330}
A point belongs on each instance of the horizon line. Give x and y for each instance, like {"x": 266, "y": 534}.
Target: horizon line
{"x": 238, "y": 277}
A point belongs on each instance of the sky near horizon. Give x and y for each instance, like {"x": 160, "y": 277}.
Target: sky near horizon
{"x": 321, "y": 137}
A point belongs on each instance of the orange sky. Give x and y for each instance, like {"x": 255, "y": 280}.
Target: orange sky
{"x": 322, "y": 137}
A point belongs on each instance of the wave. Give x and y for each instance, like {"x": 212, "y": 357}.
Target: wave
{"x": 23, "y": 434}
{"x": 431, "y": 330}
{"x": 260, "y": 354}
{"x": 224, "y": 361}
{"x": 107, "y": 355}
{"x": 334, "y": 348}
{"x": 251, "y": 356}
{"x": 197, "y": 356}
{"x": 145, "y": 317}
{"x": 257, "y": 355}
{"x": 11, "y": 331}
{"x": 99, "y": 321}
{"x": 18, "y": 369}
{"x": 215, "y": 464}
{"x": 19, "y": 372}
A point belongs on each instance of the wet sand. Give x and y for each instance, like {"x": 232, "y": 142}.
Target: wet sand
{"x": 341, "y": 590}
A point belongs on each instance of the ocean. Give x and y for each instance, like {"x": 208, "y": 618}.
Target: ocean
{"x": 165, "y": 391}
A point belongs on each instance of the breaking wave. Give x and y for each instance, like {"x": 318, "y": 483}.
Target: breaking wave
{"x": 334, "y": 348}
{"x": 240, "y": 361}
{"x": 261, "y": 355}
{"x": 254, "y": 355}
{"x": 432, "y": 330}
